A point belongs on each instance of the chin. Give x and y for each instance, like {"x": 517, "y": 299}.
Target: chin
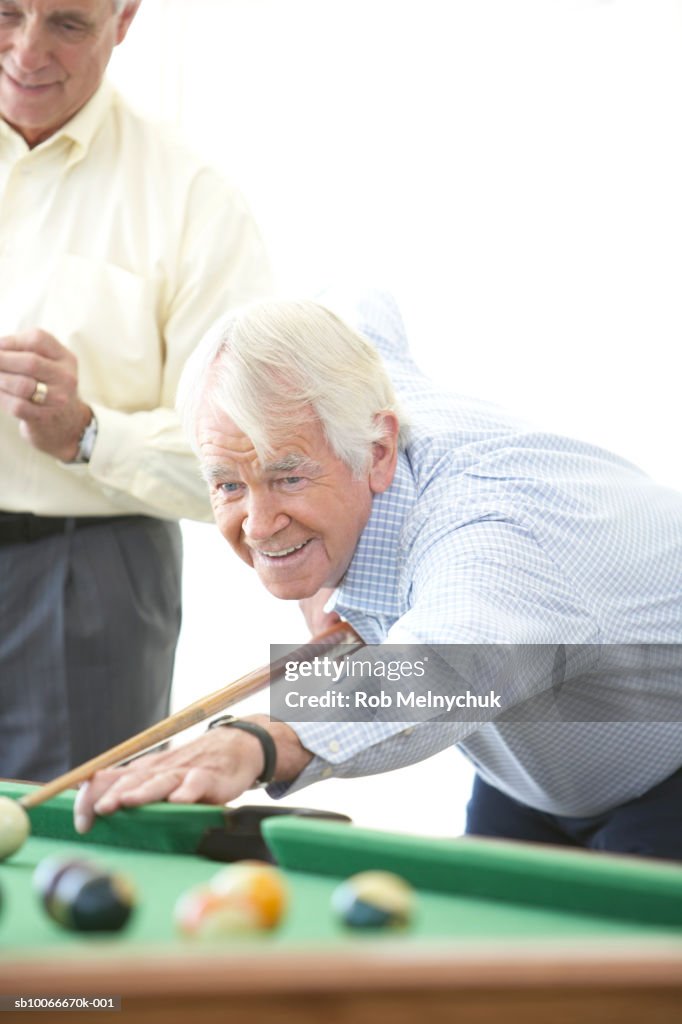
{"x": 290, "y": 591}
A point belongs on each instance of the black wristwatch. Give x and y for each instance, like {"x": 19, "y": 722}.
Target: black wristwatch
{"x": 262, "y": 735}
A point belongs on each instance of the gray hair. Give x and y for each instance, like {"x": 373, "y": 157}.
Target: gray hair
{"x": 273, "y": 365}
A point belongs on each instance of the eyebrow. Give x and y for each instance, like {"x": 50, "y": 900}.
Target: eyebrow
{"x": 82, "y": 17}
{"x": 290, "y": 462}
{"x": 287, "y": 464}
{"x": 217, "y": 472}
{"x": 78, "y": 13}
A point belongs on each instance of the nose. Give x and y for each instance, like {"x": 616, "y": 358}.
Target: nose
{"x": 30, "y": 51}
{"x": 264, "y": 518}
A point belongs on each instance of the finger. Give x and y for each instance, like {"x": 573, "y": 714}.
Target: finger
{"x": 92, "y": 791}
{"x": 31, "y": 364}
{"x": 197, "y": 786}
{"x": 33, "y": 340}
{"x": 134, "y": 789}
{"x": 88, "y": 795}
{"x": 18, "y": 386}
{"x": 212, "y": 785}
{"x": 83, "y": 815}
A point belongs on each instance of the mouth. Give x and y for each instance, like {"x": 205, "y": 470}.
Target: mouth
{"x": 26, "y": 87}
{"x": 283, "y": 553}
{"x": 281, "y": 559}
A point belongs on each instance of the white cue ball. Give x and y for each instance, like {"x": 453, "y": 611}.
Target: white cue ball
{"x": 14, "y": 826}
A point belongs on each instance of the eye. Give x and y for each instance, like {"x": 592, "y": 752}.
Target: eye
{"x": 291, "y": 483}
{"x": 230, "y": 489}
{"x": 71, "y": 28}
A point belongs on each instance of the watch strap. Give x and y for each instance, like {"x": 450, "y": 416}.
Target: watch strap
{"x": 262, "y": 735}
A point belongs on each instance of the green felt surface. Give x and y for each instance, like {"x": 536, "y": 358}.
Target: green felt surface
{"x": 467, "y": 890}
{"x": 621, "y": 888}
{"x": 159, "y": 827}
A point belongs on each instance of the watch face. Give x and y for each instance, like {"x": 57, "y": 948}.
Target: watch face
{"x": 87, "y": 441}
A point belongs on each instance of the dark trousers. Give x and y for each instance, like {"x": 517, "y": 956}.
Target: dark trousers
{"x": 89, "y": 620}
{"x": 650, "y": 826}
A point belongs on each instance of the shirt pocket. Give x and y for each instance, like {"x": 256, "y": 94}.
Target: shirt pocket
{"x": 107, "y": 317}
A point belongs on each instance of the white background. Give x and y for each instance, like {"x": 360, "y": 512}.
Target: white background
{"x": 510, "y": 168}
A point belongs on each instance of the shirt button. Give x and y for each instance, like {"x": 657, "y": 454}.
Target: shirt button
{"x": 334, "y": 746}
{"x": 327, "y": 773}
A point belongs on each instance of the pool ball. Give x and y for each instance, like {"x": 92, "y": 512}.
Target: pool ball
{"x": 81, "y": 896}
{"x": 374, "y": 899}
{"x": 244, "y": 897}
{"x": 48, "y": 872}
{"x": 201, "y": 913}
{"x": 257, "y": 886}
{"x": 14, "y": 826}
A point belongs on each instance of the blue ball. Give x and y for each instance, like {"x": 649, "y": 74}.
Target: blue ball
{"x": 374, "y": 899}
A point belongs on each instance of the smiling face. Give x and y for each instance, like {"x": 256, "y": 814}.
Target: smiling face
{"x": 53, "y": 54}
{"x": 296, "y": 520}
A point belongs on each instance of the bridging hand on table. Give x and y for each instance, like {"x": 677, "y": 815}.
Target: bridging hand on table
{"x": 213, "y": 769}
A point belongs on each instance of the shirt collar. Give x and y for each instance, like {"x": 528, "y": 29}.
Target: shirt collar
{"x": 77, "y": 133}
{"x": 369, "y": 594}
{"x": 12, "y": 141}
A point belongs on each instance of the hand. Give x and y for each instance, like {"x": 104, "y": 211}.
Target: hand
{"x": 314, "y": 614}
{"x": 213, "y": 769}
{"x": 55, "y": 425}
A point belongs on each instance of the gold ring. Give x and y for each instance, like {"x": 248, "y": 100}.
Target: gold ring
{"x": 40, "y": 393}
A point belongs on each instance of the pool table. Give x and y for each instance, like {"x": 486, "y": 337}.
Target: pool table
{"x": 503, "y": 931}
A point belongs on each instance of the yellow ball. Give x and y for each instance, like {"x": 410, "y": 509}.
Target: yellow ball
{"x": 14, "y": 826}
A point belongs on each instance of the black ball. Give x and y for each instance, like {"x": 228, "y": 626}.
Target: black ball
{"x": 49, "y": 871}
{"x": 81, "y": 896}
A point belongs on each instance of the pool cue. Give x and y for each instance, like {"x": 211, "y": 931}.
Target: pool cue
{"x": 338, "y": 635}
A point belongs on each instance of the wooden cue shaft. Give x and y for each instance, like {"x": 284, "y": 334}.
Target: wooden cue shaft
{"x": 337, "y": 635}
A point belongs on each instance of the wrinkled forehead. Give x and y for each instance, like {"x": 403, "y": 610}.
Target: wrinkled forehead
{"x": 218, "y": 434}
{"x": 92, "y": 8}
{"x": 221, "y": 440}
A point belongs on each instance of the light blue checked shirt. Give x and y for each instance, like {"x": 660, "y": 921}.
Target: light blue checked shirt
{"x": 493, "y": 533}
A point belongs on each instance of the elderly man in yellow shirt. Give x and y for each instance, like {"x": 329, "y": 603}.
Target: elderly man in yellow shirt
{"x": 117, "y": 249}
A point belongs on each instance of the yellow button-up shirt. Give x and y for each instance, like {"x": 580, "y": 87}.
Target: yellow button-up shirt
{"x": 125, "y": 247}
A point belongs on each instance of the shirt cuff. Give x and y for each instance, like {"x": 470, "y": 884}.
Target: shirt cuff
{"x": 316, "y": 771}
{"x": 142, "y": 463}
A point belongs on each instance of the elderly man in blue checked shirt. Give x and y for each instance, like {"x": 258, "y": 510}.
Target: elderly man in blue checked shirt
{"x": 438, "y": 520}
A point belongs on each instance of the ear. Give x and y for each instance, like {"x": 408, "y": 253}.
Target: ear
{"x": 384, "y": 453}
{"x": 125, "y": 18}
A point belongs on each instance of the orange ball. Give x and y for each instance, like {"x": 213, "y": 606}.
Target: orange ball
{"x": 256, "y": 884}
{"x": 245, "y": 897}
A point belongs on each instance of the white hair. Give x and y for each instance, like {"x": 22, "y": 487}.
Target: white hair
{"x": 274, "y": 365}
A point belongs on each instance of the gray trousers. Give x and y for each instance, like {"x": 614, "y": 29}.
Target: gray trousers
{"x": 89, "y": 621}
